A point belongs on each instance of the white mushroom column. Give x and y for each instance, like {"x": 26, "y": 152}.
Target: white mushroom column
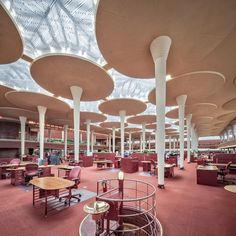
{"x": 194, "y": 143}
{"x": 159, "y": 50}
{"x": 130, "y": 142}
{"x": 81, "y": 137}
{"x": 22, "y": 134}
{"x": 181, "y": 103}
{"x": 109, "y": 142}
{"x": 143, "y": 136}
{"x": 174, "y": 144}
{"x": 92, "y": 141}
{"x": 169, "y": 143}
{"x": 76, "y": 93}
{"x": 189, "y": 118}
{"x": 141, "y": 143}
{"x": 149, "y": 143}
{"x": 42, "y": 110}
{"x": 156, "y": 144}
{"x": 65, "y": 139}
{"x": 113, "y": 139}
{"x": 122, "y": 130}
{"x": 88, "y": 136}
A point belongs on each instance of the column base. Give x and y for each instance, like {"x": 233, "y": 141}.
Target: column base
{"x": 161, "y": 186}
{"x": 181, "y": 168}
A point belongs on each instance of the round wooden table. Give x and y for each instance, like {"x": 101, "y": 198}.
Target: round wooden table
{"x": 230, "y": 188}
{"x": 97, "y": 209}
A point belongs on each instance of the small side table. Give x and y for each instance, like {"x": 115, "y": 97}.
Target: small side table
{"x": 98, "y": 210}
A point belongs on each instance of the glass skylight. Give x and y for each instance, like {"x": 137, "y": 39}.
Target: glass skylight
{"x": 68, "y": 26}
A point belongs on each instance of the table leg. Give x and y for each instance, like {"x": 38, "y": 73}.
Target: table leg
{"x": 46, "y": 203}
{"x": 0, "y": 172}
{"x": 33, "y": 195}
{"x": 69, "y": 195}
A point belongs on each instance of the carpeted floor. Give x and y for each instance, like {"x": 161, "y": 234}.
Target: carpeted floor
{"x": 183, "y": 208}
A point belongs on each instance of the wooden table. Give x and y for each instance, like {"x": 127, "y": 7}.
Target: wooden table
{"x": 98, "y": 210}
{"x": 146, "y": 166}
{"x": 207, "y": 175}
{"x": 45, "y": 187}
{"x": 169, "y": 170}
{"x": 103, "y": 163}
{"x": 3, "y": 168}
{"x": 218, "y": 165}
{"x": 230, "y": 188}
{"x": 66, "y": 168}
{"x": 18, "y": 176}
{"x": 223, "y": 165}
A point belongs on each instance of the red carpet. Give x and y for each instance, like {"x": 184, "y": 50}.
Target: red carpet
{"x": 183, "y": 208}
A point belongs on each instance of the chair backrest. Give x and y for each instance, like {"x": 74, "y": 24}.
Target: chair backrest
{"x": 31, "y": 167}
{"x": 228, "y": 165}
{"x": 153, "y": 163}
{"x": 15, "y": 161}
{"x": 75, "y": 172}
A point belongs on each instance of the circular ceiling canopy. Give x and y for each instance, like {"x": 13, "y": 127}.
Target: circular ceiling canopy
{"x": 201, "y": 109}
{"x": 62, "y": 122}
{"x": 94, "y": 117}
{"x": 132, "y": 129}
{"x": 202, "y": 119}
{"x": 125, "y": 30}
{"x": 31, "y": 100}
{"x": 3, "y": 101}
{"x": 196, "y": 85}
{"x": 227, "y": 117}
{"x": 17, "y": 112}
{"x": 57, "y": 73}
{"x": 230, "y": 105}
{"x": 111, "y": 124}
{"x": 99, "y": 129}
{"x": 11, "y": 45}
{"x": 153, "y": 126}
{"x": 129, "y": 105}
{"x": 173, "y": 114}
{"x": 140, "y": 119}
{"x": 169, "y": 130}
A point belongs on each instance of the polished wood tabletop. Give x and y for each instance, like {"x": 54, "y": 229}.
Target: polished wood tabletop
{"x": 207, "y": 168}
{"x": 218, "y": 164}
{"x": 23, "y": 167}
{"x": 146, "y": 161}
{"x": 102, "y": 161}
{"x": 52, "y": 183}
{"x": 230, "y": 188}
{"x": 65, "y": 167}
{"x": 15, "y": 165}
{"x": 97, "y": 207}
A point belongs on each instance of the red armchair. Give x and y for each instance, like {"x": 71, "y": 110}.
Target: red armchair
{"x": 74, "y": 175}
{"x": 15, "y": 161}
{"x": 31, "y": 170}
